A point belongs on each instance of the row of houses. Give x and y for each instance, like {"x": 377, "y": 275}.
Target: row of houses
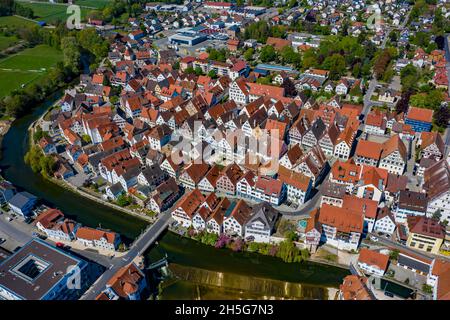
{"x": 53, "y": 223}
{"x": 230, "y": 216}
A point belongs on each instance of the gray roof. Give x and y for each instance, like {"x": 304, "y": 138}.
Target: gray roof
{"x": 116, "y": 188}
{"x": 412, "y": 263}
{"x": 22, "y": 198}
{"x": 264, "y": 213}
{"x": 18, "y": 275}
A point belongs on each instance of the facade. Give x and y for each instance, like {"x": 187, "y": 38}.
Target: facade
{"x": 410, "y": 203}
{"x": 419, "y": 119}
{"x": 22, "y": 203}
{"x": 372, "y": 262}
{"x": 261, "y": 224}
{"x": 437, "y": 186}
{"x": 341, "y": 228}
{"x": 385, "y": 222}
{"x": 394, "y": 156}
{"x": 236, "y": 219}
{"x": 425, "y": 234}
{"x": 96, "y": 238}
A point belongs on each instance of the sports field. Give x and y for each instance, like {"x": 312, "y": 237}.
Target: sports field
{"x": 99, "y": 4}
{"x": 50, "y": 13}
{"x": 13, "y": 21}
{"x": 26, "y": 67}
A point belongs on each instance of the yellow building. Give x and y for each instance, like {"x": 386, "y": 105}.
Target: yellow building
{"x": 425, "y": 234}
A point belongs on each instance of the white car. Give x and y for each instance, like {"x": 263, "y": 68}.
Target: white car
{"x": 374, "y": 239}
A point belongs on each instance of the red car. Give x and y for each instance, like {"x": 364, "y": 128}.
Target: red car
{"x": 60, "y": 245}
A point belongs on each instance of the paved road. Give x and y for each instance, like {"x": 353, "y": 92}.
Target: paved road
{"x": 373, "y": 82}
{"x": 406, "y": 249}
{"x": 10, "y": 229}
{"x": 447, "y": 57}
{"x": 138, "y": 247}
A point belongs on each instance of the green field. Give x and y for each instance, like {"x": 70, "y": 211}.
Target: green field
{"x": 50, "y": 13}
{"x": 99, "y": 4}
{"x": 13, "y": 21}
{"x": 26, "y": 67}
{"x": 6, "y": 42}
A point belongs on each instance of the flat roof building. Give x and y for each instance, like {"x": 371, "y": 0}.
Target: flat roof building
{"x": 40, "y": 271}
{"x": 187, "y": 37}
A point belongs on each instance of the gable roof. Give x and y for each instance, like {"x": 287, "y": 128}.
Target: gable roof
{"x": 344, "y": 220}
{"x": 373, "y": 258}
{"x": 420, "y": 114}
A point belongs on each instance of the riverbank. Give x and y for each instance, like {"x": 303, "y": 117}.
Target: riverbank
{"x": 190, "y": 253}
{"x": 201, "y": 284}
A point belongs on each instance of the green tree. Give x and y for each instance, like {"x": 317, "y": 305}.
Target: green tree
{"x": 409, "y": 77}
{"x": 248, "y": 54}
{"x": 71, "y": 53}
{"x": 212, "y": 74}
{"x": 198, "y": 71}
{"x": 268, "y": 54}
{"x": 336, "y": 65}
{"x": 123, "y": 200}
{"x": 393, "y": 255}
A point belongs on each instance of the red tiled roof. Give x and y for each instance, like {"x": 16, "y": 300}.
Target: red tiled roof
{"x": 419, "y": 114}
{"x": 373, "y": 258}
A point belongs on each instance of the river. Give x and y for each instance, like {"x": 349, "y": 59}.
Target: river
{"x": 88, "y": 212}
{"x": 181, "y": 251}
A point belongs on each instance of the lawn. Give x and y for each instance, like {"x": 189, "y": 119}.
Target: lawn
{"x": 13, "y": 21}
{"x": 50, "y": 13}
{"x": 26, "y": 67}
{"x": 99, "y": 4}
{"x": 6, "y": 42}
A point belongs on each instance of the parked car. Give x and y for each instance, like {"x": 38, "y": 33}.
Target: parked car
{"x": 2, "y": 240}
{"x": 388, "y": 294}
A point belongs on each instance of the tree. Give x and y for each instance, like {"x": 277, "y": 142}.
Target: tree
{"x": 289, "y": 88}
{"x": 309, "y": 58}
{"x": 39, "y": 134}
{"x": 409, "y": 77}
{"x": 198, "y": 71}
{"x": 288, "y": 55}
{"x": 86, "y": 138}
{"x": 267, "y": 54}
{"x": 403, "y": 103}
{"x": 442, "y": 116}
{"x": 336, "y": 65}
{"x": 212, "y": 74}
{"x": 248, "y": 54}
{"x": 123, "y": 200}
{"x": 393, "y": 255}
{"x": 382, "y": 63}
{"x": 71, "y": 53}
{"x": 430, "y": 100}
{"x": 189, "y": 70}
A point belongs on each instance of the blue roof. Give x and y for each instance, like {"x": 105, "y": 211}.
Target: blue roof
{"x": 274, "y": 67}
{"x": 261, "y": 71}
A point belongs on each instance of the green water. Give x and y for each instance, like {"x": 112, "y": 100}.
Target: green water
{"x": 187, "y": 252}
